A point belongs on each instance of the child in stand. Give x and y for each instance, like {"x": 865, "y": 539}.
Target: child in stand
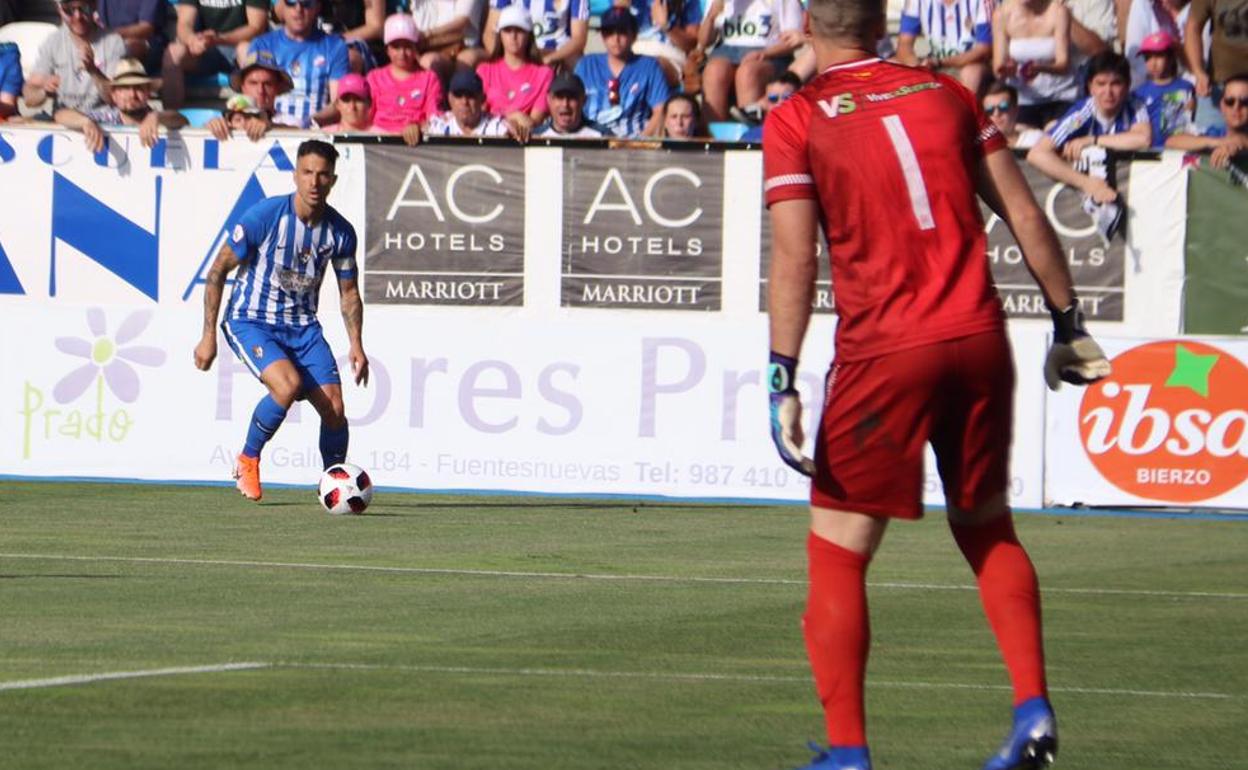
{"x": 1171, "y": 100}
{"x": 404, "y": 95}
{"x": 355, "y": 107}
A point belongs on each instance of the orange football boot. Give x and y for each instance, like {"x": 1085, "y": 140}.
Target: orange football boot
{"x": 247, "y": 475}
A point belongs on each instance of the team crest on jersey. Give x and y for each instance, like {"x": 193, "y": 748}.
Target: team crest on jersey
{"x": 296, "y": 69}
{"x": 319, "y": 62}
{"x": 238, "y": 234}
{"x": 257, "y": 351}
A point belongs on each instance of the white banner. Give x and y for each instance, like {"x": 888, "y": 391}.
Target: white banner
{"x": 1169, "y": 428}
{"x": 101, "y": 265}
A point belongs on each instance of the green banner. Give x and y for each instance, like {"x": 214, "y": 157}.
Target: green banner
{"x": 1215, "y": 291}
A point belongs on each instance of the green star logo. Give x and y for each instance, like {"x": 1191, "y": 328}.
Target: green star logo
{"x": 1191, "y": 370}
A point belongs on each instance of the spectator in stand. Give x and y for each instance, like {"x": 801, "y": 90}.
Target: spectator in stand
{"x": 314, "y": 60}
{"x": 141, "y": 24}
{"x": 1146, "y": 17}
{"x": 72, "y": 62}
{"x": 1171, "y": 101}
{"x": 1109, "y": 118}
{"x": 260, "y": 81}
{"x": 467, "y": 116}
{"x": 404, "y": 94}
{"x": 10, "y": 79}
{"x": 1000, "y": 104}
{"x": 753, "y": 42}
{"x": 1228, "y": 20}
{"x": 626, "y": 92}
{"x": 355, "y": 107}
{"x": 958, "y": 34}
{"x": 1031, "y": 51}
{"x": 566, "y": 101}
{"x": 1228, "y": 142}
{"x": 129, "y": 91}
{"x": 452, "y": 34}
{"x": 779, "y": 90}
{"x": 561, "y": 28}
{"x": 241, "y": 113}
{"x": 682, "y": 118}
{"x": 666, "y": 30}
{"x": 1093, "y": 28}
{"x": 210, "y": 34}
{"x": 360, "y": 23}
{"x": 516, "y": 81}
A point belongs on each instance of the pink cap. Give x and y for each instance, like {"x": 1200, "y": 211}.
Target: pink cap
{"x": 1158, "y": 42}
{"x": 401, "y": 26}
{"x": 354, "y": 85}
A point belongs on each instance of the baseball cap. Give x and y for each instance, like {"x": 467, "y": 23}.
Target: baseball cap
{"x": 567, "y": 82}
{"x": 617, "y": 18}
{"x": 400, "y": 26}
{"x": 466, "y": 80}
{"x": 352, "y": 84}
{"x": 260, "y": 59}
{"x": 1158, "y": 42}
{"x": 514, "y": 15}
{"x": 130, "y": 72}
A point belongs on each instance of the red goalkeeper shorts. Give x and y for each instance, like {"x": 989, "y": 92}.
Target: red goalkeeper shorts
{"x": 879, "y": 412}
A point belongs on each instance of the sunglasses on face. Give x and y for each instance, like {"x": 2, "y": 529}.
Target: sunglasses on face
{"x": 1231, "y": 101}
{"x": 301, "y": 3}
{"x": 613, "y": 91}
{"x": 777, "y": 98}
{"x": 77, "y": 10}
{"x": 999, "y": 107}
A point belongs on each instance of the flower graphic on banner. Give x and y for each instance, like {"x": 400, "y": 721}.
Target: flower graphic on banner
{"x": 108, "y": 356}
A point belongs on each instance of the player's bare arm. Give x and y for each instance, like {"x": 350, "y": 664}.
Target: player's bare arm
{"x": 353, "y": 318}
{"x": 214, "y": 287}
{"x": 1002, "y": 186}
{"x": 791, "y": 284}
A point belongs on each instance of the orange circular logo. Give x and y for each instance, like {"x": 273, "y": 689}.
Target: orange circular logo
{"x": 1170, "y": 423}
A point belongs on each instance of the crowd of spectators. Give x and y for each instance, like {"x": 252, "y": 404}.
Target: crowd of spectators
{"x": 1049, "y": 73}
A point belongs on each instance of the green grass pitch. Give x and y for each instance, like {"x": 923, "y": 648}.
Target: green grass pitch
{"x": 551, "y": 634}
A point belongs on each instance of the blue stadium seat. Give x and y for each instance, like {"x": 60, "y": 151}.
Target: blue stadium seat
{"x": 199, "y": 116}
{"x": 728, "y": 131}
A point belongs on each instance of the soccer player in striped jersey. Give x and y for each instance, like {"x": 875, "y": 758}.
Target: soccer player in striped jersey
{"x": 282, "y": 247}
{"x": 889, "y": 160}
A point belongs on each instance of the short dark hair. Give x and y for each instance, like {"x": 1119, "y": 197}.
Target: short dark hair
{"x": 1238, "y": 77}
{"x": 319, "y": 148}
{"x": 1108, "y": 62}
{"x": 1002, "y": 87}
{"x": 788, "y": 77}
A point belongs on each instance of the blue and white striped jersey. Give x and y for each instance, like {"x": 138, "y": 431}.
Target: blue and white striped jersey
{"x": 1083, "y": 120}
{"x": 312, "y": 64}
{"x": 950, "y": 28}
{"x": 552, "y": 19}
{"x": 283, "y": 261}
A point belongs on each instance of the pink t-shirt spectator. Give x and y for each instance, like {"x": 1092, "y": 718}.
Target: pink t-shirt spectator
{"x": 508, "y": 90}
{"x": 399, "y": 102}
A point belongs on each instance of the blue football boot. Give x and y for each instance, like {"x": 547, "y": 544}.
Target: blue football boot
{"x": 1032, "y": 742}
{"x": 857, "y": 758}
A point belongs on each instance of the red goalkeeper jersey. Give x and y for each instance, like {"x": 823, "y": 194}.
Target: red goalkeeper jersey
{"x": 890, "y": 153}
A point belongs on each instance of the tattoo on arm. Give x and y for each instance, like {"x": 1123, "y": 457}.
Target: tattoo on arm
{"x": 352, "y": 310}
{"x": 215, "y": 286}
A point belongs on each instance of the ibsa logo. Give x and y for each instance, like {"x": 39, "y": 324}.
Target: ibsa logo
{"x": 1170, "y": 424}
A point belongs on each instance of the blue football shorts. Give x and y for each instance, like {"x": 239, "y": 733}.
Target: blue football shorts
{"x": 258, "y": 345}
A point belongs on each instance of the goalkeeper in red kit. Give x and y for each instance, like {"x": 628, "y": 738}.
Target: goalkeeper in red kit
{"x": 889, "y": 160}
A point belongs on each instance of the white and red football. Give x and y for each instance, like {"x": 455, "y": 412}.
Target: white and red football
{"x": 345, "y": 488}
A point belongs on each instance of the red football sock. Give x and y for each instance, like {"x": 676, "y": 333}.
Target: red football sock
{"x": 1011, "y": 597}
{"x": 838, "y": 634}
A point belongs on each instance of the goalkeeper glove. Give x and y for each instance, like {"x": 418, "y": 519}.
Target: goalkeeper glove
{"x": 1075, "y": 357}
{"x": 786, "y": 413}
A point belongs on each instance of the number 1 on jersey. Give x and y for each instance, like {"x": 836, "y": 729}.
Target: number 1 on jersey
{"x": 919, "y": 203}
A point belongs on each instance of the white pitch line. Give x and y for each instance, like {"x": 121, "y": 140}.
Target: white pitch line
{"x": 746, "y": 678}
{"x": 61, "y": 681}
{"x": 592, "y": 576}
{"x": 108, "y": 676}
